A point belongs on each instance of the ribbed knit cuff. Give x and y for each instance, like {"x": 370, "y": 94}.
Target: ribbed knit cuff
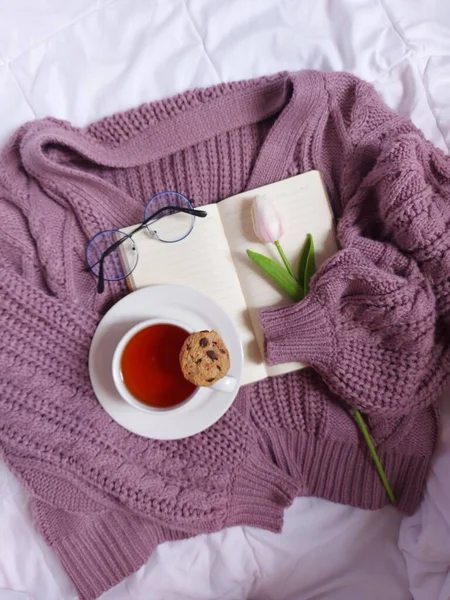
{"x": 260, "y": 493}
{"x": 302, "y": 332}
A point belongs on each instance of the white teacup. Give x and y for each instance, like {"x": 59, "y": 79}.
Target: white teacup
{"x": 226, "y": 384}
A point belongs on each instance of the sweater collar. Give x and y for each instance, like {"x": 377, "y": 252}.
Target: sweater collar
{"x": 292, "y": 95}
{"x": 296, "y": 99}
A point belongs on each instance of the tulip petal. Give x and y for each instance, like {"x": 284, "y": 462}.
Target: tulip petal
{"x": 267, "y": 223}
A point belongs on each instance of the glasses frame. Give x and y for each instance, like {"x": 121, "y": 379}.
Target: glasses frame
{"x": 101, "y": 275}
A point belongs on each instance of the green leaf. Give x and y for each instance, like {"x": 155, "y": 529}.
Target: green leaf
{"x": 310, "y": 268}
{"x": 278, "y": 274}
{"x": 307, "y": 263}
{"x": 284, "y": 259}
{"x": 302, "y": 261}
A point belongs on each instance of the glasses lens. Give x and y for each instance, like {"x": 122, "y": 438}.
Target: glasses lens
{"x": 119, "y": 262}
{"x": 170, "y": 225}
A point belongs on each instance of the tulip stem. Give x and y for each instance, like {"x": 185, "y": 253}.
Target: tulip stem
{"x": 284, "y": 259}
{"x": 374, "y": 455}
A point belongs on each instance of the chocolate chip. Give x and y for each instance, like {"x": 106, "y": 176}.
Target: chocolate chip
{"x": 212, "y": 355}
{"x": 223, "y": 351}
{"x": 210, "y": 380}
{"x": 203, "y": 342}
{"x": 198, "y": 361}
{"x": 204, "y": 331}
{"x": 188, "y": 347}
{"x": 219, "y": 367}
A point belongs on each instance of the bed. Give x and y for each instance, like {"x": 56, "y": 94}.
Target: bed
{"x": 88, "y": 58}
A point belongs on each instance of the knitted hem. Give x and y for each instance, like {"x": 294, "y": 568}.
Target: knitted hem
{"x": 109, "y": 548}
{"x": 344, "y": 473}
{"x": 260, "y": 494}
{"x": 310, "y": 339}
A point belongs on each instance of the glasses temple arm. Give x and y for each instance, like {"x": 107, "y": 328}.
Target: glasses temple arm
{"x": 101, "y": 276}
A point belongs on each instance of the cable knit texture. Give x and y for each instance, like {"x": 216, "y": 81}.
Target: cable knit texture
{"x": 374, "y": 328}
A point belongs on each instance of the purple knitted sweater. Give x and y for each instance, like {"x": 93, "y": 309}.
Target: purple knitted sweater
{"x": 375, "y": 326}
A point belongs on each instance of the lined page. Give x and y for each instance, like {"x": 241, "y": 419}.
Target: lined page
{"x": 202, "y": 261}
{"x": 304, "y": 205}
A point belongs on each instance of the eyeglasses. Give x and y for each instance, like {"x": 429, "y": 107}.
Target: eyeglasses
{"x": 168, "y": 217}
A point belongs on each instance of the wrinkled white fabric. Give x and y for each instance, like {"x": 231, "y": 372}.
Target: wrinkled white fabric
{"x": 425, "y": 537}
{"x": 84, "y": 59}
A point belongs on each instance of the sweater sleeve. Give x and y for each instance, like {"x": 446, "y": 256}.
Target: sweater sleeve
{"x": 374, "y": 324}
{"x": 368, "y": 330}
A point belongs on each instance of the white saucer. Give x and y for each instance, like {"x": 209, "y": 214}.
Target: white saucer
{"x": 171, "y": 302}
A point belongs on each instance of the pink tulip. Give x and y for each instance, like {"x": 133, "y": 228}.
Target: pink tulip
{"x": 267, "y": 223}
{"x": 269, "y": 226}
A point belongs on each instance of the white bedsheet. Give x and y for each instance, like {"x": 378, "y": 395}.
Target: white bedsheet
{"x": 83, "y": 59}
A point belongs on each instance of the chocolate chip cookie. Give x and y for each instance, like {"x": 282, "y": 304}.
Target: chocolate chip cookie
{"x": 204, "y": 358}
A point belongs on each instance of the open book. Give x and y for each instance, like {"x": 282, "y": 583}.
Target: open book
{"x": 213, "y": 258}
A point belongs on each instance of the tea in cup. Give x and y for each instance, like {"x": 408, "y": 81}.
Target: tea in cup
{"x": 146, "y": 367}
